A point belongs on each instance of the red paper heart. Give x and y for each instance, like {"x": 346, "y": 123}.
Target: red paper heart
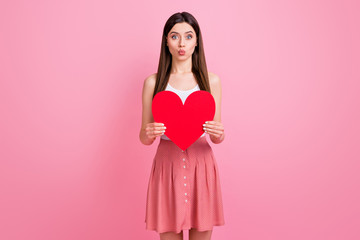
{"x": 183, "y": 122}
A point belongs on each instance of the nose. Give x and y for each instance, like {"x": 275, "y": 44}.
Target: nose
{"x": 181, "y": 42}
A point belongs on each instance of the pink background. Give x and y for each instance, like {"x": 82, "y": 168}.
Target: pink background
{"x": 71, "y": 163}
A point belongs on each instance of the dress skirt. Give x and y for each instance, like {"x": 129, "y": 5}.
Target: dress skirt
{"x": 184, "y": 189}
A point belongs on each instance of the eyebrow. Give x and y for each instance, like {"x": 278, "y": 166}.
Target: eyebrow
{"x": 185, "y": 32}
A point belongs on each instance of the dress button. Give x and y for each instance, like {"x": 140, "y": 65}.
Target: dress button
{"x": 184, "y": 177}
{"x": 185, "y": 200}
{"x": 185, "y": 184}
{"x": 185, "y": 194}
{"x": 184, "y": 159}
{"x": 182, "y": 150}
{"x": 184, "y": 166}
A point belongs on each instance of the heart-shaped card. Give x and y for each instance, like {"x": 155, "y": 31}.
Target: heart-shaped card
{"x": 183, "y": 122}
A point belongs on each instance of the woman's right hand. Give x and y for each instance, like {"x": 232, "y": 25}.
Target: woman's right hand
{"x": 154, "y": 130}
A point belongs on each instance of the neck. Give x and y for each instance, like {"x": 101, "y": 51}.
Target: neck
{"x": 179, "y": 67}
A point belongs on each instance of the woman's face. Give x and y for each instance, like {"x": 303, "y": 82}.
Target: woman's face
{"x": 181, "y": 40}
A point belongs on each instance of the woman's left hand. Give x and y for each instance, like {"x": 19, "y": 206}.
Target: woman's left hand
{"x": 215, "y": 129}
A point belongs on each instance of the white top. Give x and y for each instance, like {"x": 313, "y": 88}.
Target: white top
{"x": 183, "y": 94}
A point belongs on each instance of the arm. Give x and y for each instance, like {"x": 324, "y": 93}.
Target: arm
{"x": 215, "y": 128}
{"x": 149, "y": 129}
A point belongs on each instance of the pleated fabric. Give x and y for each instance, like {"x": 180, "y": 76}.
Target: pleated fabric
{"x": 184, "y": 189}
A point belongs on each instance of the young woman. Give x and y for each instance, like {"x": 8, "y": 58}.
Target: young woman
{"x": 184, "y": 190}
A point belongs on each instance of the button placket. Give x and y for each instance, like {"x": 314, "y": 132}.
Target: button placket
{"x": 185, "y": 178}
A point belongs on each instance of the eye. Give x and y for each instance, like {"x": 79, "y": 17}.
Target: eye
{"x": 173, "y": 36}
{"x": 189, "y": 36}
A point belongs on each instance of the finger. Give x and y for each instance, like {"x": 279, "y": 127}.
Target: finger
{"x": 210, "y": 122}
{"x": 159, "y": 128}
{"x": 157, "y": 124}
{"x": 154, "y": 133}
{"x": 212, "y": 131}
{"x": 215, "y": 127}
{"x": 153, "y": 126}
{"x": 214, "y": 134}
{"x": 158, "y": 133}
{"x": 150, "y": 135}
{"x": 213, "y": 123}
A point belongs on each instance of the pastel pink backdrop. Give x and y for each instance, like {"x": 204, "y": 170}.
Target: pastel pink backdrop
{"x": 72, "y": 166}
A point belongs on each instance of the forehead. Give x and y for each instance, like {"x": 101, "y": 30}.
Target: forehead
{"x": 182, "y": 28}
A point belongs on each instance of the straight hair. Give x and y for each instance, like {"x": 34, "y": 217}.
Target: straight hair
{"x": 199, "y": 68}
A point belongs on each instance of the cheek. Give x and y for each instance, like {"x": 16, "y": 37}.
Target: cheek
{"x": 171, "y": 48}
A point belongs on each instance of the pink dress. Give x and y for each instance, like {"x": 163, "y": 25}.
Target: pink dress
{"x": 184, "y": 186}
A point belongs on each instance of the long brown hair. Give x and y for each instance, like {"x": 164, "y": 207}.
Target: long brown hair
{"x": 199, "y": 68}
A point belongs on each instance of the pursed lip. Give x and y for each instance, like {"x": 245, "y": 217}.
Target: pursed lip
{"x": 181, "y": 50}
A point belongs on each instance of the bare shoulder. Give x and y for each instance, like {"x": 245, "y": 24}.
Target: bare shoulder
{"x": 150, "y": 81}
{"x": 214, "y": 81}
